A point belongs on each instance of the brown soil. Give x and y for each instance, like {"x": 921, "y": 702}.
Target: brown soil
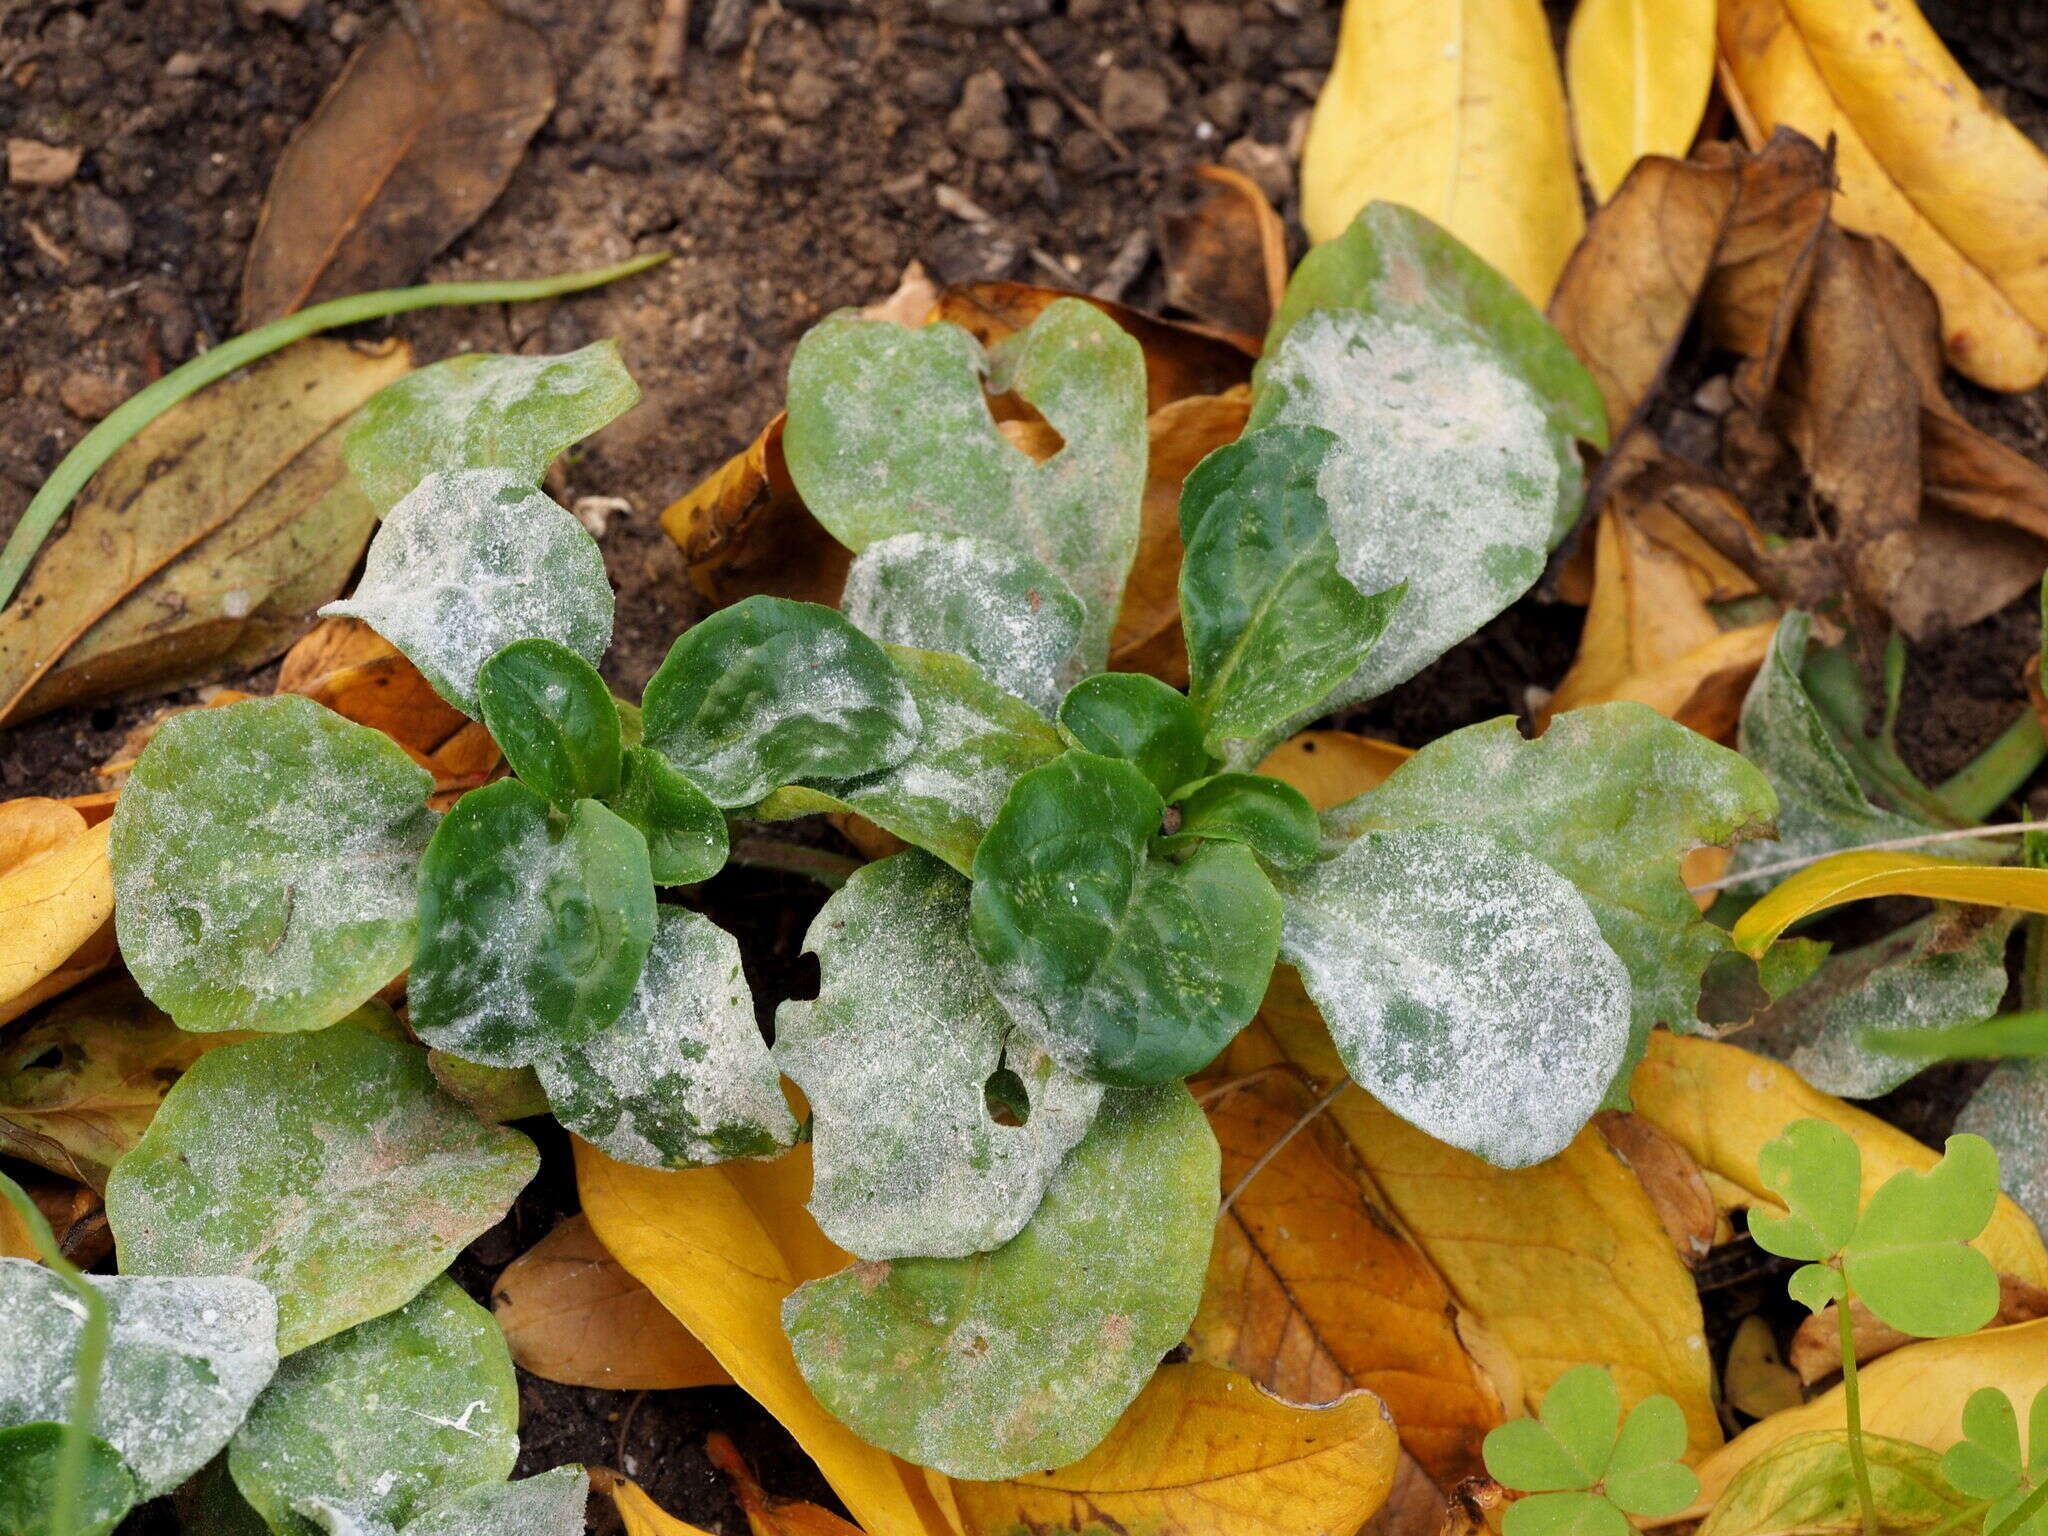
{"x": 795, "y": 167}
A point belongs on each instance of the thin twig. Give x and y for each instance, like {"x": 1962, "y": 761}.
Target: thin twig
{"x": 1267, "y": 1156}
{"x": 1785, "y": 866}
{"x": 1049, "y": 78}
{"x": 671, "y": 35}
{"x": 1213, "y": 1093}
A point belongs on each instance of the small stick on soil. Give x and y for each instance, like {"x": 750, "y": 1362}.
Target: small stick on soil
{"x": 671, "y": 36}
{"x": 1047, "y": 77}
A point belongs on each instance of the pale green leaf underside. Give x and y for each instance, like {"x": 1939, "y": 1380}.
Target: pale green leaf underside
{"x": 894, "y": 1056}
{"x": 1807, "y": 1483}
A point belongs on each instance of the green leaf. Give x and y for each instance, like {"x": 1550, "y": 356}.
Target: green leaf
{"x": 1816, "y": 1169}
{"x": 554, "y": 719}
{"x": 1272, "y": 819}
{"x": 889, "y": 432}
{"x": 1022, "y": 1359}
{"x": 1447, "y": 475}
{"x": 1564, "y": 1514}
{"x": 1807, "y": 1485}
{"x": 896, "y": 1056}
{"x": 1124, "y": 968}
{"x": 1393, "y": 260}
{"x": 389, "y": 1418}
{"x": 485, "y": 410}
{"x": 550, "y": 1504}
{"x": 1986, "y": 1462}
{"x": 29, "y": 1455}
{"x": 494, "y": 1094}
{"x": 1466, "y": 985}
{"x": 1568, "y": 1445}
{"x": 533, "y": 931}
{"x": 1141, "y": 721}
{"x": 771, "y": 692}
{"x": 1272, "y": 624}
{"x": 1001, "y": 608}
{"x": 1909, "y": 1260}
{"x": 185, "y": 1358}
{"x": 326, "y": 1166}
{"x": 472, "y": 560}
{"x": 687, "y": 838}
{"x": 974, "y": 742}
{"x": 1646, "y": 1475}
{"x": 682, "y": 1078}
{"x": 1612, "y": 798}
{"x": 263, "y": 859}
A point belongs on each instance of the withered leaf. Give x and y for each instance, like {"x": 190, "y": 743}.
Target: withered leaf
{"x": 416, "y": 138}
{"x": 1816, "y": 1349}
{"x": 1226, "y": 257}
{"x": 744, "y": 530}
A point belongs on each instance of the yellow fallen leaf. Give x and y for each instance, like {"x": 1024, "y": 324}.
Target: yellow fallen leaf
{"x": 1978, "y": 179}
{"x": 571, "y": 1314}
{"x": 1756, "y": 1379}
{"x": 1723, "y": 1103}
{"x": 1330, "y": 767}
{"x": 721, "y": 1247}
{"x": 1984, "y": 336}
{"x": 1862, "y": 875}
{"x": 31, "y": 826}
{"x": 766, "y": 1514}
{"x": 1204, "y": 1452}
{"x": 1563, "y": 1264}
{"x": 1914, "y": 1394}
{"x": 15, "y": 1243}
{"x": 641, "y": 1515}
{"x": 51, "y": 906}
{"x": 1456, "y": 111}
{"x": 1638, "y": 72}
{"x": 1313, "y": 1291}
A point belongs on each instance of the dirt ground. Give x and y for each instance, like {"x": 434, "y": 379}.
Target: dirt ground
{"x": 809, "y": 149}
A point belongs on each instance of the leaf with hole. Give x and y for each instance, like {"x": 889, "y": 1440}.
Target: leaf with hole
{"x": 344, "y": 1195}
{"x": 263, "y": 857}
{"x": 554, "y": 719}
{"x": 899, "y": 1057}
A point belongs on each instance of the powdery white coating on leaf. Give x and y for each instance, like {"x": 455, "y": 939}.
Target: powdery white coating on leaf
{"x": 185, "y": 1359}
{"x": 264, "y": 858}
{"x": 2010, "y": 1110}
{"x": 468, "y": 562}
{"x": 683, "y": 1077}
{"x": 1024, "y": 1358}
{"x": 338, "y": 1521}
{"x": 1445, "y": 474}
{"x": 1466, "y": 986}
{"x": 328, "y": 1166}
{"x": 388, "y": 1419}
{"x": 894, "y": 1057}
{"x": 550, "y": 1504}
{"x": 1000, "y": 608}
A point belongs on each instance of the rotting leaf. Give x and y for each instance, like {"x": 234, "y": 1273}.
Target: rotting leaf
{"x": 1331, "y": 767}
{"x": 204, "y": 544}
{"x": 1011, "y": 1361}
{"x": 745, "y": 532}
{"x": 766, "y": 1514}
{"x": 347, "y": 666}
{"x": 895, "y": 1056}
{"x": 1816, "y": 1348}
{"x": 681, "y": 1077}
{"x": 413, "y": 141}
{"x": 344, "y": 1197}
{"x": 263, "y": 858}
{"x": 572, "y": 1314}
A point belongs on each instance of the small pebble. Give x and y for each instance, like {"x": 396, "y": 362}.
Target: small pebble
{"x": 1134, "y": 100}
{"x": 32, "y": 163}
{"x": 183, "y": 65}
{"x": 809, "y": 95}
{"x": 101, "y": 224}
{"x": 1208, "y": 27}
{"x": 88, "y": 394}
{"x": 1266, "y": 164}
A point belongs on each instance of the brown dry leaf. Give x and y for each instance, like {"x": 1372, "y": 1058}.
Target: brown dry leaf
{"x": 416, "y": 138}
{"x": 1415, "y": 1505}
{"x": 1535, "y": 1256}
{"x": 1330, "y": 767}
{"x": 1313, "y": 1291}
{"x": 913, "y": 299}
{"x": 1756, "y": 1380}
{"x": 1816, "y": 1350}
{"x": 744, "y": 530}
{"x": 1226, "y": 257}
{"x": 1203, "y": 1452}
{"x": 767, "y": 1515}
{"x": 571, "y": 1314}
{"x": 77, "y": 1218}
{"x": 347, "y": 666}
{"x": 205, "y": 543}
{"x": 1670, "y": 1178}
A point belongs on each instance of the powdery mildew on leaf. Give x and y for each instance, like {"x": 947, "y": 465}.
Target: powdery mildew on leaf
{"x": 264, "y": 858}
{"x": 485, "y": 410}
{"x": 682, "y": 1078}
{"x": 468, "y": 562}
{"x": 1445, "y": 475}
{"x": 2010, "y": 1110}
{"x": 1022, "y": 1359}
{"x": 550, "y": 1504}
{"x": 895, "y": 1055}
{"x": 327, "y": 1166}
{"x": 1000, "y": 608}
{"x": 1466, "y": 985}
{"x": 185, "y": 1359}
{"x": 386, "y": 1420}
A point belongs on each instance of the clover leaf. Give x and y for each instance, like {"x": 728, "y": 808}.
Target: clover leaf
{"x": 1587, "y": 1469}
{"x": 1905, "y": 1255}
{"x": 554, "y": 719}
{"x": 1987, "y": 1463}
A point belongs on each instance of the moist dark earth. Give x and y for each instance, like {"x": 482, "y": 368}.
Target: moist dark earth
{"x": 805, "y": 153}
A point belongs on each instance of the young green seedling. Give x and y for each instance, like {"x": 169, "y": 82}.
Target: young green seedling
{"x": 1988, "y": 1463}
{"x": 1585, "y": 1469}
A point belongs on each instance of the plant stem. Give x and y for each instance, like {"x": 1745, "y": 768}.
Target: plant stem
{"x": 2029, "y": 1507}
{"x": 92, "y": 1355}
{"x": 1990, "y": 778}
{"x": 140, "y": 409}
{"x": 1852, "y": 1403}
{"x": 1967, "y": 1513}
